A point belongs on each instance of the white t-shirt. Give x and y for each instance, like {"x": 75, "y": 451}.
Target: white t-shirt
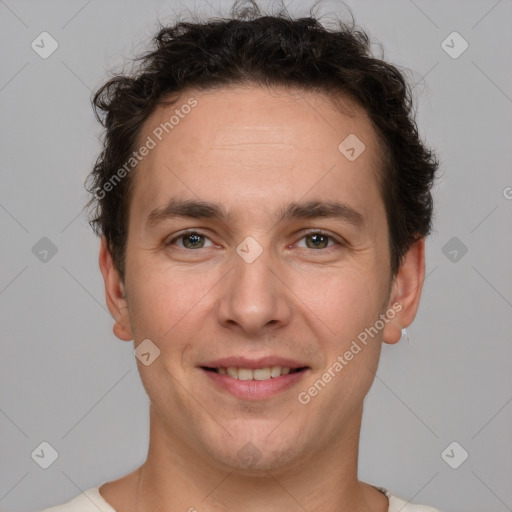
{"x": 92, "y": 501}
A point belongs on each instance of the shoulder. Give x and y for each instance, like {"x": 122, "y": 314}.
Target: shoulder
{"x": 398, "y": 504}
{"x": 88, "y": 501}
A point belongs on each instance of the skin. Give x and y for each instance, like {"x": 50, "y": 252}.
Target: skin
{"x": 295, "y": 300}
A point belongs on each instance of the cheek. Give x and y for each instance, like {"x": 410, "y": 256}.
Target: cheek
{"x": 164, "y": 309}
{"x": 343, "y": 310}
{"x": 169, "y": 307}
{"x": 342, "y": 301}
{"x": 352, "y": 352}
{"x": 160, "y": 299}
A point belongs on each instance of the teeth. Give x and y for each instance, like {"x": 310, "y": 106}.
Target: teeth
{"x": 243, "y": 373}
{"x": 257, "y": 374}
{"x": 261, "y": 374}
{"x": 232, "y": 372}
{"x": 275, "y": 371}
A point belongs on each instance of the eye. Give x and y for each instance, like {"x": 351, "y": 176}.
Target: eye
{"x": 196, "y": 240}
{"x": 190, "y": 240}
{"x": 319, "y": 240}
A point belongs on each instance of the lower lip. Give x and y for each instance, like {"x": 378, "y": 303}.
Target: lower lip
{"x": 255, "y": 389}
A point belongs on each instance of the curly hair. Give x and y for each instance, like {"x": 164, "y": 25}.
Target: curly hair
{"x": 265, "y": 50}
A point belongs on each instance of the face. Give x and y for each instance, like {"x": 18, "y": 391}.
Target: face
{"x": 255, "y": 242}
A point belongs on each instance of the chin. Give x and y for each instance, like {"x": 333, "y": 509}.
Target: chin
{"x": 255, "y": 458}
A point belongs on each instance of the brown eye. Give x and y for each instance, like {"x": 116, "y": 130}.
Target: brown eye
{"x": 193, "y": 241}
{"x": 190, "y": 240}
{"x": 319, "y": 240}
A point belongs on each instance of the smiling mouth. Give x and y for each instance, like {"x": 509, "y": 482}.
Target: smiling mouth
{"x": 270, "y": 372}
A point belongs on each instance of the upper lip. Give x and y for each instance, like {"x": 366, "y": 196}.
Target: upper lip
{"x": 262, "y": 362}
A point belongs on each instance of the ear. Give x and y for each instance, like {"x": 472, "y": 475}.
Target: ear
{"x": 114, "y": 294}
{"x": 406, "y": 292}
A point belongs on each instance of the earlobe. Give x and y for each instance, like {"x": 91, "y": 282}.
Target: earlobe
{"x": 114, "y": 294}
{"x": 406, "y": 292}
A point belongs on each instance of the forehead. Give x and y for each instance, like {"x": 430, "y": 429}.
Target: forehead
{"x": 265, "y": 141}
{"x": 252, "y": 115}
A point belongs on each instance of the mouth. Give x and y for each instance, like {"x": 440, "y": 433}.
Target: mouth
{"x": 253, "y": 383}
{"x": 260, "y": 374}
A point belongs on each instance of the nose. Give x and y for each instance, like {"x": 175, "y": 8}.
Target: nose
{"x": 254, "y": 297}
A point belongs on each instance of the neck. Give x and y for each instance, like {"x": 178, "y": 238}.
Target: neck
{"x": 177, "y": 477}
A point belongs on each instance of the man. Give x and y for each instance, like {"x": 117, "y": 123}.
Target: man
{"x": 262, "y": 199}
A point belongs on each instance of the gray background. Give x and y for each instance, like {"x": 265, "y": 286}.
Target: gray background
{"x": 67, "y": 380}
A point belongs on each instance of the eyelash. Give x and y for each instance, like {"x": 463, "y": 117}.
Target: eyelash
{"x": 314, "y": 232}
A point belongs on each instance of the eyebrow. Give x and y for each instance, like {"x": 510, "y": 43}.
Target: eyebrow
{"x": 197, "y": 209}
